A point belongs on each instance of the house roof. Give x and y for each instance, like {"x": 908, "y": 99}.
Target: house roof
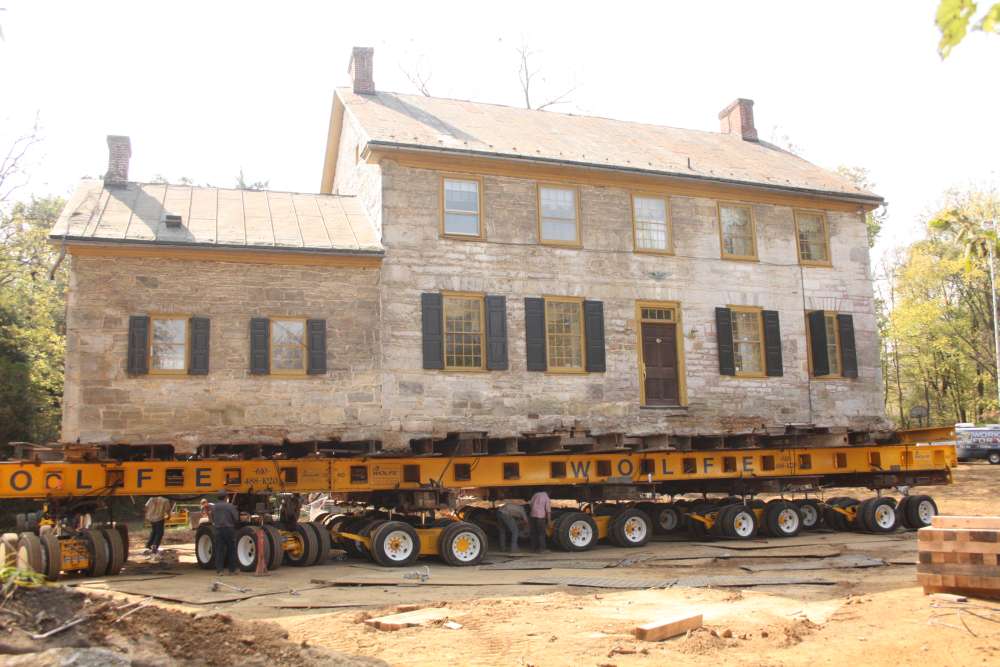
{"x": 492, "y": 130}
{"x": 216, "y": 218}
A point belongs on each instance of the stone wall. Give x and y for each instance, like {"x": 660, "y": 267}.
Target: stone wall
{"x": 103, "y": 404}
{"x": 418, "y": 402}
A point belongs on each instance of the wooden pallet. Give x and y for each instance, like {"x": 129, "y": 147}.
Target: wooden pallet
{"x": 960, "y": 555}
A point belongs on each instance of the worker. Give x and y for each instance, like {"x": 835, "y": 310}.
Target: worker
{"x": 225, "y": 516}
{"x": 157, "y": 511}
{"x": 206, "y": 512}
{"x": 288, "y": 514}
{"x": 512, "y": 518}
{"x": 541, "y": 514}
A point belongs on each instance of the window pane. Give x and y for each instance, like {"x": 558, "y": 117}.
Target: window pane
{"x": 287, "y": 357}
{"x": 558, "y": 214}
{"x": 288, "y": 345}
{"x": 737, "y": 231}
{"x": 287, "y": 332}
{"x": 565, "y": 345}
{"x": 461, "y": 223}
{"x": 461, "y": 207}
{"x": 651, "y": 223}
{"x": 558, "y": 230}
{"x": 169, "y": 348}
{"x": 812, "y": 237}
{"x": 832, "y": 351}
{"x": 657, "y": 314}
{"x": 463, "y": 332}
{"x": 746, "y": 341}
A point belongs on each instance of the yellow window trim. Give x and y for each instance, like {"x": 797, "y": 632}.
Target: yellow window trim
{"x": 753, "y": 231}
{"x": 669, "y": 222}
{"x": 583, "y": 337}
{"x": 578, "y": 242}
{"x": 481, "y": 297}
{"x": 809, "y": 356}
{"x": 270, "y": 344}
{"x": 760, "y": 332}
{"x": 187, "y": 344}
{"x": 826, "y": 238}
{"x": 469, "y": 178}
{"x": 675, "y": 306}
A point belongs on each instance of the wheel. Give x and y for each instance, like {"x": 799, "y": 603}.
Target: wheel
{"x": 718, "y": 526}
{"x": 901, "y": 518}
{"x": 308, "y": 544}
{"x": 324, "y": 543}
{"x": 51, "y": 556}
{"x": 98, "y": 552}
{"x": 277, "y": 547}
{"x": 8, "y": 550}
{"x": 697, "y": 529}
{"x": 29, "y": 553}
{"x": 835, "y": 519}
{"x": 575, "y": 531}
{"x": 395, "y": 544}
{"x": 204, "y": 546}
{"x": 630, "y": 528}
{"x": 782, "y": 519}
{"x": 666, "y": 519}
{"x": 861, "y": 520}
{"x": 20, "y": 522}
{"x": 247, "y": 552}
{"x": 920, "y": 510}
{"x": 117, "y": 550}
{"x": 738, "y": 522}
{"x": 122, "y": 530}
{"x": 993, "y": 457}
{"x": 810, "y": 512}
{"x": 462, "y": 543}
{"x": 879, "y": 515}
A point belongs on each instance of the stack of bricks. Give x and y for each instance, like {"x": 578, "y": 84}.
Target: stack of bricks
{"x": 960, "y": 555}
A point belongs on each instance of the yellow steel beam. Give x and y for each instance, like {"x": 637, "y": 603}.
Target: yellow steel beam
{"x": 912, "y": 436}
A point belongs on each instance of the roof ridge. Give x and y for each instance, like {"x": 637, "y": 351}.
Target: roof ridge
{"x": 219, "y": 187}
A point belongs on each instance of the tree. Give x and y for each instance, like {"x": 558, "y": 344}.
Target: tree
{"x": 527, "y": 75}
{"x": 873, "y": 219}
{"x": 242, "y": 184}
{"x": 12, "y": 173}
{"x": 954, "y": 18}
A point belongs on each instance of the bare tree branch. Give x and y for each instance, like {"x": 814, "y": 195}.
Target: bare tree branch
{"x": 526, "y": 75}
{"x": 418, "y": 75}
{"x": 12, "y": 175}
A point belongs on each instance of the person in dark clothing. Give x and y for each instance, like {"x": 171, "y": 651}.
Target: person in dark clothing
{"x": 291, "y": 507}
{"x": 225, "y": 517}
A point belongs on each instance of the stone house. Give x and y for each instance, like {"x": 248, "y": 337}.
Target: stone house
{"x": 471, "y": 267}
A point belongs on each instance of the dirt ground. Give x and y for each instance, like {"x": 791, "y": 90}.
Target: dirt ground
{"x": 838, "y": 615}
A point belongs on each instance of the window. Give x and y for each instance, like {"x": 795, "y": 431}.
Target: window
{"x": 830, "y": 357}
{"x": 651, "y": 227}
{"x": 832, "y": 343}
{"x": 813, "y": 238}
{"x": 558, "y": 219}
{"x": 748, "y": 341}
{"x": 461, "y": 208}
{"x": 463, "y": 332}
{"x": 168, "y": 345}
{"x": 564, "y": 334}
{"x": 288, "y": 346}
{"x": 736, "y": 229}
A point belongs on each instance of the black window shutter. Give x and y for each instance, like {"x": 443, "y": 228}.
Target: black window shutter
{"x": 848, "y": 351}
{"x": 138, "y": 343}
{"x": 316, "y": 338}
{"x": 496, "y": 333}
{"x": 593, "y": 331}
{"x": 200, "y": 329}
{"x": 534, "y": 333}
{"x": 260, "y": 353}
{"x": 817, "y": 343}
{"x": 724, "y": 336}
{"x": 432, "y": 316}
{"x": 772, "y": 343}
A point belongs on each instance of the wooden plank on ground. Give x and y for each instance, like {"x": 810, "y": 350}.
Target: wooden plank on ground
{"x": 839, "y": 562}
{"x": 980, "y": 522}
{"x": 409, "y": 619}
{"x": 666, "y": 628}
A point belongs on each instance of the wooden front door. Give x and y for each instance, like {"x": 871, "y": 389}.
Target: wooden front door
{"x": 659, "y": 357}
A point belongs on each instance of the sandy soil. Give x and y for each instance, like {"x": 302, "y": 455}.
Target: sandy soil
{"x": 872, "y": 617}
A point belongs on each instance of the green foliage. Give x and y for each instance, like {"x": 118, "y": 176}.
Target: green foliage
{"x": 954, "y": 18}
{"x": 243, "y": 184}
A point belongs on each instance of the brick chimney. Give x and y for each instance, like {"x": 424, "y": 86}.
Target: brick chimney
{"x": 119, "y": 152}
{"x": 737, "y": 118}
{"x": 360, "y": 69}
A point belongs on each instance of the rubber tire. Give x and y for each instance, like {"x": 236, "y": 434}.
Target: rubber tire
{"x": 29, "y": 553}
{"x": 696, "y": 529}
{"x": 324, "y": 542}
{"x": 205, "y": 530}
{"x": 802, "y": 502}
{"x": 861, "y": 524}
{"x": 901, "y": 518}
{"x": 657, "y": 512}
{"x": 117, "y": 551}
{"x": 251, "y": 533}
{"x": 913, "y": 513}
{"x": 718, "y": 528}
{"x": 772, "y": 515}
{"x": 99, "y": 553}
{"x": 993, "y": 458}
{"x": 871, "y": 525}
{"x": 277, "y": 550}
{"x": 379, "y": 536}
{"x": 561, "y": 531}
{"x": 51, "y": 556}
{"x": 122, "y": 530}
{"x": 727, "y": 521}
{"x": 310, "y": 544}
{"x": 616, "y": 531}
{"x": 8, "y": 550}
{"x": 448, "y": 536}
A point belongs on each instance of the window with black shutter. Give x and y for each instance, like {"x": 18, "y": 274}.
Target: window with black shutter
{"x": 832, "y": 348}
{"x": 316, "y": 339}
{"x": 138, "y": 345}
{"x": 593, "y": 324}
{"x": 772, "y": 343}
{"x": 260, "y": 355}
{"x": 200, "y": 329}
{"x": 724, "y": 339}
{"x": 534, "y": 333}
{"x": 496, "y": 333}
{"x": 431, "y": 323}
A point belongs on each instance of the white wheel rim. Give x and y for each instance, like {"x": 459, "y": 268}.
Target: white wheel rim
{"x": 580, "y": 533}
{"x": 925, "y": 510}
{"x": 246, "y": 550}
{"x": 809, "y": 515}
{"x": 398, "y": 545}
{"x": 743, "y": 524}
{"x": 668, "y": 518}
{"x": 788, "y": 520}
{"x": 466, "y": 546}
{"x": 205, "y": 548}
{"x": 634, "y": 529}
{"x": 885, "y": 516}
{"x": 994, "y": 458}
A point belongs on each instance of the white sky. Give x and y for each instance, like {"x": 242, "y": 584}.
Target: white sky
{"x": 204, "y": 88}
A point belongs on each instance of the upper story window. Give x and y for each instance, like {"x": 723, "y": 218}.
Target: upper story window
{"x": 558, "y": 215}
{"x": 651, "y": 224}
{"x": 463, "y": 332}
{"x": 564, "y": 334}
{"x": 461, "y": 208}
{"x": 748, "y": 341}
{"x": 288, "y": 346}
{"x": 737, "y": 232}
{"x": 813, "y": 238}
{"x": 168, "y": 344}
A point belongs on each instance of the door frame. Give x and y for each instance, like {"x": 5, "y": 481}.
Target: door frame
{"x": 674, "y": 306}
